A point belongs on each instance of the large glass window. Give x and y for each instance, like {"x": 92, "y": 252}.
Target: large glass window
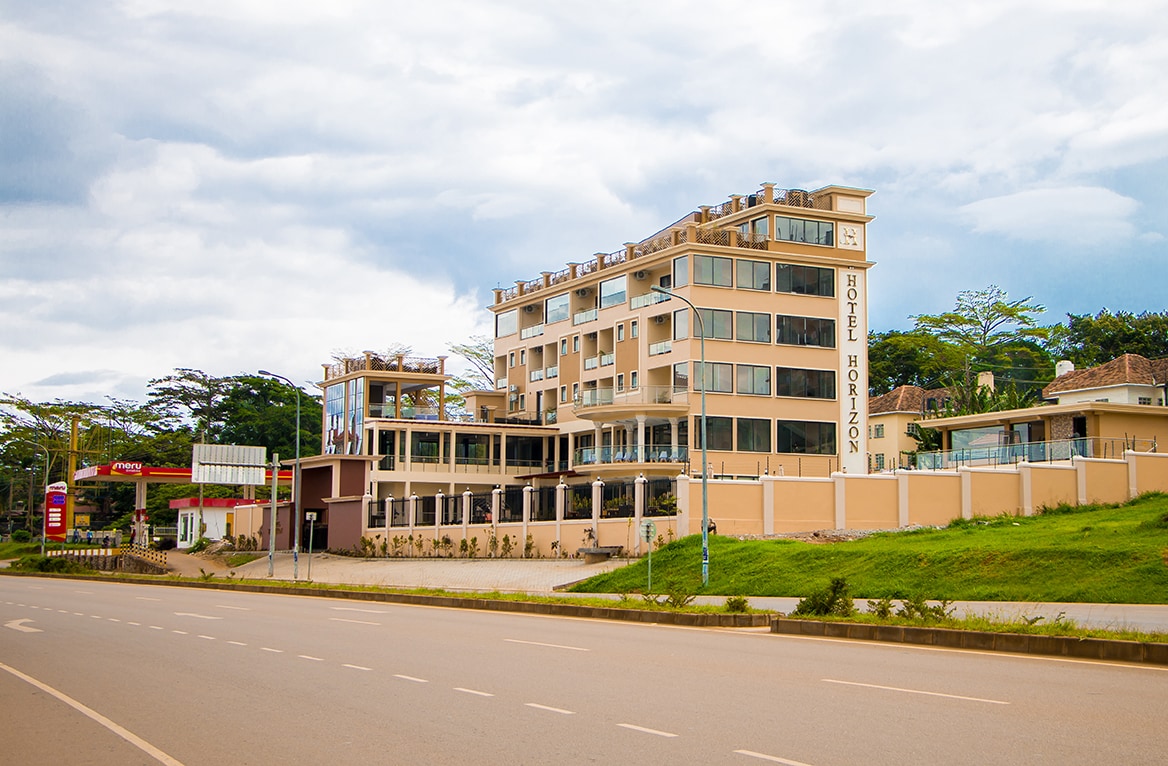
{"x": 754, "y": 435}
{"x": 334, "y": 408}
{"x": 556, "y": 309}
{"x": 721, "y": 433}
{"x": 754, "y": 275}
{"x": 804, "y": 280}
{"x": 754, "y": 379}
{"x": 681, "y": 376}
{"x": 815, "y": 384}
{"x": 613, "y": 292}
{"x": 356, "y": 415}
{"x": 713, "y": 270}
{"x": 680, "y": 271}
{"x": 719, "y": 377}
{"x": 804, "y": 230}
{"x": 718, "y": 324}
{"x": 506, "y": 323}
{"x": 807, "y": 437}
{"x": 805, "y": 331}
{"x": 754, "y": 327}
{"x": 681, "y": 324}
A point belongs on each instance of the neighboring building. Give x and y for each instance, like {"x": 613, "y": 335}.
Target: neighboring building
{"x": 1099, "y": 412}
{"x": 597, "y": 378}
{"x": 218, "y": 518}
{"x": 890, "y": 424}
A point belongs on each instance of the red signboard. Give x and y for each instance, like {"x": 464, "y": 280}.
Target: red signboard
{"x": 55, "y": 505}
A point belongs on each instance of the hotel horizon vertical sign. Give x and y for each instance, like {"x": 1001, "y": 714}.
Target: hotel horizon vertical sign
{"x": 56, "y": 499}
{"x": 853, "y": 348}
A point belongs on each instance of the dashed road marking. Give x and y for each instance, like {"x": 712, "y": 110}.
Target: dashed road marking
{"x": 270, "y": 649}
{"x": 771, "y": 758}
{"x": 310, "y": 657}
{"x": 644, "y": 730}
{"x": 237, "y": 643}
{"x": 475, "y": 692}
{"x": 411, "y": 678}
{"x": 240, "y": 608}
{"x": 560, "y": 710}
{"x": 209, "y": 638}
{"x": 155, "y": 627}
{"x": 355, "y": 609}
{"x": 113, "y": 619}
{"x": 147, "y": 598}
{"x": 915, "y": 691}
{"x": 180, "y": 632}
{"x": 553, "y": 646}
{"x": 357, "y": 622}
{"x": 133, "y": 623}
{"x": 355, "y": 667}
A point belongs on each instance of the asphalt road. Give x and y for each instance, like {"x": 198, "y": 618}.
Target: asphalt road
{"x": 136, "y": 674}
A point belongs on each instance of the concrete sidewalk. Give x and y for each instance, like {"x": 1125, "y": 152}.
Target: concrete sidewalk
{"x": 543, "y": 576}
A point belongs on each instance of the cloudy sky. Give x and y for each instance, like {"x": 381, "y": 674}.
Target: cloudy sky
{"x": 237, "y": 184}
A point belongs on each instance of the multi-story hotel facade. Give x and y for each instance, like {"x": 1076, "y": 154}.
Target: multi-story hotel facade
{"x": 780, "y": 280}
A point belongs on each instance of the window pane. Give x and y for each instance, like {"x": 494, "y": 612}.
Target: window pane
{"x": 805, "y": 437}
{"x": 754, "y": 327}
{"x": 721, "y": 431}
{"x": 754, "y": 435}
{"x": 817, "y": 384}
{"x": 718, "y": 324}
{"x": 754, "y": 275}
{"x": 680, "y": 272}
{"x": 719, "y": 377}
{"x": 506, "y": 323}
{"x": 805, "y": 331}
{"x": 556, "y": 309}
{"x": 681, "y": 324}
{"x": 613, "y": 292}
{"x": 804, "y": 280}
{"x": 713, "y": 270}
{"x": 754, "y": 379}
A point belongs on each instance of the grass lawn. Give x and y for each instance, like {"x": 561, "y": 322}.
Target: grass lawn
{"x": 1105, "y": 554}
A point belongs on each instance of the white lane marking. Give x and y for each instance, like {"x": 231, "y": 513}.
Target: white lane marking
{"x": 155, "y": 627}
{"x": 553, "y": 646}
{"x": 200, "y": 616}
{"x": 915, "y": 691}
{"x": 33, "y": 607}
{"x": 355, "y": 609}
{"x": 411, "y": 678}
{"x": 113, "y": 619}
{"x": 79, "y": 614}
{"x": 269, "y": 649}
{"x": 95, "y": 616}
{"x": 147, "y": 598}
{"x": 646, "y": 731}
{"x": 62, "y": 611}
{"x": 309, "y": 657}
{"x": 209, "y": 638}
{"x": 476, "y": 692}
{"x": 133, "y": 623}
{"x": 20, "y": 626}
{"x": 771, "y": 758}
{"x": 355, "y": 667}
{"x": 356, "y": 622}
{"x": 86, "y": 592}
{"x": 239, "y": 608}
{"x": 237, "y": 643}
{"x": 560, "y": 710}
{"x": 97, "y": 717}
{"x": 180, "y": 632}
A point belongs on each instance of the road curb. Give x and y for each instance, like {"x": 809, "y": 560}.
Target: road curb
{"x": 693, "y": 619}
{"x": 1015, "y": 643}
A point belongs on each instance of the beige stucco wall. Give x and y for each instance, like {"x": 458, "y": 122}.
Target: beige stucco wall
{"x": 872, "y": 502}
{"x": 1106, "y": 480}
{"x": 933, "y": 498}
{"x": 738, "y": 510}
{"x": 1051, "y": 485}
{"x": 802, "y": 505}
{"x": 993, "y": 492}
{"x": 1151, "y": 472}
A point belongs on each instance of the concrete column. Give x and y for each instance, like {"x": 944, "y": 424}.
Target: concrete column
{"x": 966, "y": 492}
{"x": 626, "y": 448}
{"x": 1133, "y": 484}
{"x": 641, "y": 456}
{"x": 597, "y": 438}
{"x": 413, "y": 512}
{"x": 768, "y": 504}
{"x": 841, "y": 501}
{"x": 1081, "y": 480}
{"x": 639, "y": 487}
{"x": 528, "y": 491}
{"x": 1026, "y": 499}
{"x": 673, "y": 438}
{"x": 467, "y": 499}
{"x": 902, "y": 499}
{"x": 496, "y": 504}
{"x": 597, "y": 504}
{"x": 409, "y": 451}
{"x": 561, "y": 491}
{"x": 439, "y": 500}
{"x": 682, "y": 481}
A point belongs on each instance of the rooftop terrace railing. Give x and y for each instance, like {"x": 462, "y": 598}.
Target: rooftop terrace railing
{"x": 377, "y": 363}
{"x": 1029, "y": 452}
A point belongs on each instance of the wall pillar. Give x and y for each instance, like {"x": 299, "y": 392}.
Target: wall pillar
{"x": 597, "y": 504}
{"x": 528, "y": 491}
{"x": 641, "y": 439}
{"x": 841, "y": 501}
{"x": 638, "y": 511}
{"x": 901, "y": 499}
{"x": 1026, "y": 499}
{"x": 768, "y": 504}
{"x": 966, "y": 492}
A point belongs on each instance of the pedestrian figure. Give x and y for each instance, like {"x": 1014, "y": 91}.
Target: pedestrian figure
{"x": 133, "y": 533}
{"x": 105, "y": 542}
{"x": 89, "y": 536}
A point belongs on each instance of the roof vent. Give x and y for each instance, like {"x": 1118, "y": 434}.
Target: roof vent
{"x": 1063, "y": 367}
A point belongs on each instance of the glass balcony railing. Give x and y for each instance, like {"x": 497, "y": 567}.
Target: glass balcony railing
{"x": 648, "y": 299}
{"x": 536, "y": 375}
{"x": 607, "y": 360}
{"x": 501, "y": 383}
{"x": 584, "y": 316}
{"x": 663, "y": 347}
{"x": 652, "y": 453}
{"x": 551, "y": 372}
{"x": 600, "y": 397}
{"x": 531, "y": 332}
{"x": 591, "y": 363}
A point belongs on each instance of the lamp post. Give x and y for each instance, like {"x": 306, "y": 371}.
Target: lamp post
{"x": 705, "y": 435}
{"x": 45, "y": 510}
{"x": 295, "y": 479}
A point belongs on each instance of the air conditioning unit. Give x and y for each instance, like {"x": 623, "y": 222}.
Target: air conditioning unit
{"x": 514, "y": 388}
{"x": 641, "y": 275}
{"x": 660, "y": 319}
{"x": 529, "y": 308}
{"x": 583, "y": 292}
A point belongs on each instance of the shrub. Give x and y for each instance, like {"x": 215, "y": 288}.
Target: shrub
{"x": 678, "y": 598}
{"x": 38, "y": 563}
{"x": 916, "y": 608}
{"x": 881, "y": 608}
{"x": 831, "y": 601}
{"x": 21, "y": 536}
{"x": 737, "y": 604}
{"x": 199, "y": 545}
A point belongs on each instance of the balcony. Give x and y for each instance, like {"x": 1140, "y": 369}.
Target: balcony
{"x": 607, "y": 360}
{"x": 664, "y": 347}
{"x": 501, "y": 383}
{"x": 531, "y": 332}
{"x": 1030, "y": 452}
{"x": 602, "y": 397}
{"x": 536, "y": 375}
{"x": 408, "y": 412}
{"x": 552, "y": 372}
{"x": 591, "y": 363}
{"x": 648, "y": 299}
{"x": 654, "y": 453}
{"x": 585, "y": 316}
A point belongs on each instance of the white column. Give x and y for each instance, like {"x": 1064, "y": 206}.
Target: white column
{"x": 528, "y": 491}
{"x": 597, "y": 438}
{"x": 467, "y": 498}
{"x": 902, "y": 499}
{"x": 673, "y": 438}
{"x": 597, "y": 504}
{"x": 439, "y": 501}
{"x": 841, "y": 501}
{"x": 638, "y": 511}
{"x": 966, "y": 492}
{"x": 641, "y": 456}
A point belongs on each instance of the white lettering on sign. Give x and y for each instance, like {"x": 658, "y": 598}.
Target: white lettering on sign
{"x": 126, "y": 466}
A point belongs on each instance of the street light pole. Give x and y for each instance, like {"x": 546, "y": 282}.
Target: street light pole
{"x": 295, "y": 479}
{"x": 705, "y": 435}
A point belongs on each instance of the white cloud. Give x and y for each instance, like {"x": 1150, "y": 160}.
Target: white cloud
{"x": 1082, "y": 216}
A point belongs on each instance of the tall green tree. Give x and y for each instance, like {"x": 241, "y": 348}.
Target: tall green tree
{"x": 914, "y": 358}
{"x": 192, "y": 396}
{"x": 1089, "y": 341}
{"x": 479, "y": 354}
{"x": 261, "y": 411}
